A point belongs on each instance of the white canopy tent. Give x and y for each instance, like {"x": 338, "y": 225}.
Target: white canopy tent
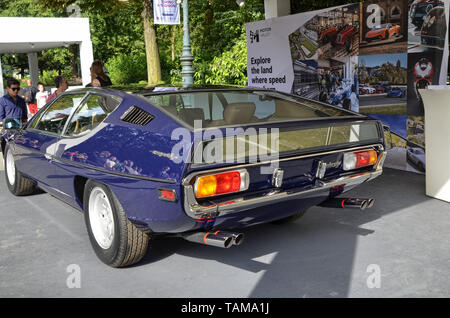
{"x": 32, "y": 35}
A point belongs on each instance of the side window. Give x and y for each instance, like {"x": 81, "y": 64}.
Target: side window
{"x": 55, "y": 117}
{"x": 90, "y": 114}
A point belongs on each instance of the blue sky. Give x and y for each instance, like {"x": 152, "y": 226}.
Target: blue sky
{"x": 378, "y": 60}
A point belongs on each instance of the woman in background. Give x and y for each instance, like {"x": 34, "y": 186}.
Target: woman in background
{"x": 97, "y": 74}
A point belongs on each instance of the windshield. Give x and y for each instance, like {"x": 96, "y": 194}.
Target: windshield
{"x": 224, "y": 108}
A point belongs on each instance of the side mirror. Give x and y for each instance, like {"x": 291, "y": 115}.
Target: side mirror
{"x": 12, "y": 123}
{"x": 387, "y": 137}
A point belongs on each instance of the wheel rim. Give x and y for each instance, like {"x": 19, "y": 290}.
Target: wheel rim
{"x": 101, "y": 218}
{"x": 10, "y": 168}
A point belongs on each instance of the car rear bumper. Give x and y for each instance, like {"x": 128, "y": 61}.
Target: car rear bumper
{"x": 320, "y": 189}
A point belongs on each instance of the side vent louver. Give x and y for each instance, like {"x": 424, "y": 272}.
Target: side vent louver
{"x": 137, "y": 116}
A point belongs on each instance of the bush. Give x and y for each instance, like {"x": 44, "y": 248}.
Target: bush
{"x": 229, "y": 68}
{"x": 127, "y": 69}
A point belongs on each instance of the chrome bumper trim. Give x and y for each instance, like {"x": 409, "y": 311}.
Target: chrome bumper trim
{"x": 196, "y": 211}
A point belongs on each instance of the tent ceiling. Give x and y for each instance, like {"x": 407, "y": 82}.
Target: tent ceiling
{"x": 29, "y": 47}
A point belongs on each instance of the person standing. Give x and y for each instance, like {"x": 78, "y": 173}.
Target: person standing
{"x": 11, "y": 104}
{"x": 29, "y": 94}
{"x": 61, "y": 86}
{"x": 41, "y": 96}
{"x": 98, "y": 74}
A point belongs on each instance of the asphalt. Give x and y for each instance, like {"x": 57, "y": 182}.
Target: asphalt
{"x": 380, "y": 100}
{"x": 399, "y": 248}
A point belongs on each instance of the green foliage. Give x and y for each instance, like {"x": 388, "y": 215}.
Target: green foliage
{"x": 217, "y": 42}
{"x": 125, "y": 69}
{"x": 48, "y": 77}
{"x": 228, "y": 68}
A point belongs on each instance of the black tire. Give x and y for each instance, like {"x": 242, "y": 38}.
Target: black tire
{"x": 21, "y": 185}
{"x": 129, "y": 244}
{"x": 289, "y": 219}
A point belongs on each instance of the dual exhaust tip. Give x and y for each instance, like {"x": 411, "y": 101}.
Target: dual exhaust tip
{"x": 227, "y": 239}
{"x": 218, "y": 238}
{"x": 343, "y": 203}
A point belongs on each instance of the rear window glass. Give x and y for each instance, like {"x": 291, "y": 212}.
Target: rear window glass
{"x": 224, "y": 108}
{"x": 252, "y": 144}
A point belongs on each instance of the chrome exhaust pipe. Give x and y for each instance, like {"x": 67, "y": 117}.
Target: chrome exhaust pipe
{"x": 238, "y": 238}
{"x": 344, "y": 203}
{"x": 209, "y": 238}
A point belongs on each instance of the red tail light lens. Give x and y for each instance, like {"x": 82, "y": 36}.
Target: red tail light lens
{"x": 365, "y": 158}
{"x": 359, "y": 159}
{"x": 221, "y": 183}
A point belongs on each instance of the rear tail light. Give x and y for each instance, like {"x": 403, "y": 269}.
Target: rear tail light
{"x": 221, "y": 183}
{"x": 359, "y": 159}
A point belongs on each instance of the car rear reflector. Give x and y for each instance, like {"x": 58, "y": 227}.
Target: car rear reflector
{"x": 221, "y": 183}
{"x": 167, "y": 195}
{"x": 359, "y": 159}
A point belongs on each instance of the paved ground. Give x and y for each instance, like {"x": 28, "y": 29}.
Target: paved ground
{"x": 328, "y": 253}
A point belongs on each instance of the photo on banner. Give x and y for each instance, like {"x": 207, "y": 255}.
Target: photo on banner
{"x": 396, "y": 156}
{"x": 303, "y": 41}
{"x": 306, "y": 79}
{"x": 338, "y": 31}
{"x": 384, "y": 27}
{"x": 338, "y": 78}
{"x": 415, "y": 130}
{"x": 427, "y": 26}
{"x": 383, "y": 84}
{"x": 423, "y": 70}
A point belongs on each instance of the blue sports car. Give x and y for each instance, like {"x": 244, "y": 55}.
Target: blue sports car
{"x": 396, "y": 92}
{"x": 194, "y": 163}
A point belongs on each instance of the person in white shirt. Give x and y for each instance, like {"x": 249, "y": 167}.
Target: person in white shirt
{"x": 41, "y": 96}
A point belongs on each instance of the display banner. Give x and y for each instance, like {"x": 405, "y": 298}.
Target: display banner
{"x": 166, "y": 12}
{"x": 369, "y": 57}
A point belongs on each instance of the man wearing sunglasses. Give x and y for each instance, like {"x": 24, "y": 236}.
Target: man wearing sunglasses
{"x": 12, "y": 105}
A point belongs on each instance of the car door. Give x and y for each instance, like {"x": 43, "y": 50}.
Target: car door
{"x": 35, "y": 145}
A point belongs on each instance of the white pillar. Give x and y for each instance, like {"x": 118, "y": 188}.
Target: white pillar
{"x": 1, "y": 78}
{"x": 277, "y": 8}
{"x": 33, "y": 67}
{"x": 86, "y": 59}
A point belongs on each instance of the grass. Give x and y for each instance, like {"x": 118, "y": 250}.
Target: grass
{"x": 385, "y": 110}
